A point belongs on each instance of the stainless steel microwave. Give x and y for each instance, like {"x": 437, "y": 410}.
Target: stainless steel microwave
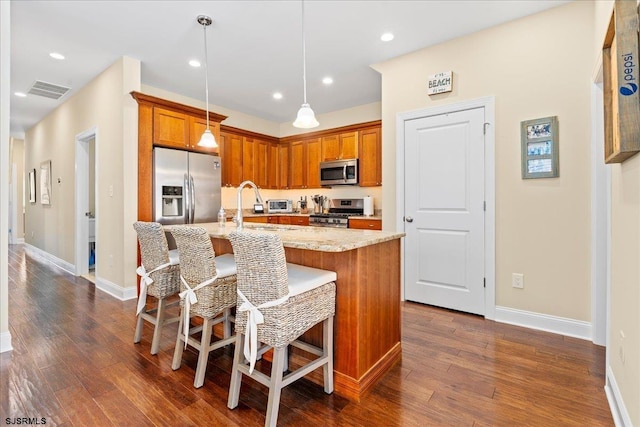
{"x": 280, "y": 205}
{"x": 339, "y": 172}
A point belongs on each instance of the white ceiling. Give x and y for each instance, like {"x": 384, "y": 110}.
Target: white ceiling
{"x": 255, "y": 47}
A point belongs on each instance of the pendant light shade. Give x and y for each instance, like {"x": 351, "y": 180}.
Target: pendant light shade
{"x": 207, "y": 139}
{"x": 305, "y": 119}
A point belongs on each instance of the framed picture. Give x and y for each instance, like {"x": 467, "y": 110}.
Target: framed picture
{"x": 45, "y": 182}
{"x": 32, "y": 186}
{"x": 539, "y": 139}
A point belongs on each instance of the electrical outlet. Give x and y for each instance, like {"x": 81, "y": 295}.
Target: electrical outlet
{"x": 32, "y": 233}
{"x": 517, "y": 280}
{"x": 111, "y": 191}
{"x": 621, "y": 347}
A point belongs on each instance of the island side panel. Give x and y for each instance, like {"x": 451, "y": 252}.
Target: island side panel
{"x": 346, "y": 321}
{"x": 380, "y": 321}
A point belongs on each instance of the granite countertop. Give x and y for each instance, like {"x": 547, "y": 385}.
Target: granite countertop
{"x": 323, "y": 239}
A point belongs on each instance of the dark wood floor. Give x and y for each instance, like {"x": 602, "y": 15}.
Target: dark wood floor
{"x": 75, "y": 364}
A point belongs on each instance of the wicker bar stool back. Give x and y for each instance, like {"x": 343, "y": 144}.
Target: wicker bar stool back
{"x": 159, "y": 277}
{"x": 277, "y": 303}
{"x": 208, "y": 291}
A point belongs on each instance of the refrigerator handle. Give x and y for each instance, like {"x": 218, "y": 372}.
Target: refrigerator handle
{"x": 187, "y": 200}
{"x": 193, "y": 200}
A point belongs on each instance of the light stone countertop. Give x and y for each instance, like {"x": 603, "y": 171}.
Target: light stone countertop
{"x": 322, "y": 239}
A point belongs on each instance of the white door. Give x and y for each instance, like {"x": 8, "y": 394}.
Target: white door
{"x": 444, "y": 210}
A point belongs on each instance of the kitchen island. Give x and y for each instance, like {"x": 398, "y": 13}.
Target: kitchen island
{"x": 367, "y": 320}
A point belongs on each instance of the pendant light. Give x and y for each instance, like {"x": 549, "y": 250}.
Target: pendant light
{"x": 305, "y": 119}
{"x": 207, "y": 139}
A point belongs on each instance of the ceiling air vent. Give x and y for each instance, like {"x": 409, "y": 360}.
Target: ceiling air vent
{"x": 48, "y": 90}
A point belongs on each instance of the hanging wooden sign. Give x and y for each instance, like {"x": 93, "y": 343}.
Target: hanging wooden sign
{"x": 440, "y": 83}
{"x": 621, "y": 84}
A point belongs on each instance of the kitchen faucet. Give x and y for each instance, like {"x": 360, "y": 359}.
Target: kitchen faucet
{"x": 239, "y": 222}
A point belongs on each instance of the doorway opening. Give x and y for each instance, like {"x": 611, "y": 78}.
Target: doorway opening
{"x": 86, "y": 223}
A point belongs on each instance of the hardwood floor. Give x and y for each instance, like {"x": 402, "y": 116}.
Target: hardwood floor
{"x": 74, "y": 363}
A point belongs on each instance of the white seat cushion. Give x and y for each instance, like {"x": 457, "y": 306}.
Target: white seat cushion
{"x": 174, "y": 258}
{"x": 226, "y": 265}
{"x": 303, "y": 279}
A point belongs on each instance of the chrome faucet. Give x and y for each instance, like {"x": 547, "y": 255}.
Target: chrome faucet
{"x": 239, "y": 222}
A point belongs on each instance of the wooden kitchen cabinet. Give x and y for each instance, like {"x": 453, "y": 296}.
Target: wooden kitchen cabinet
{"x": 261, "y": 163}
{"x": 298, "y": 220}
{"x": 312, "y": 164}
{"x": 282, "y": 167}
{"x": 370, "y": 163}
{"x": 304, "y": 163}
{"x": 258, "y": 219}
{"x": 170, "y": 128}
{"x": 232, "y": 159}
{"x": 340, "y": 146}
{"x": 365, "y": 224}
{"x": 174, "y": 129}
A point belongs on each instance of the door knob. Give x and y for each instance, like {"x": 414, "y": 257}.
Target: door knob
{"x": 409, "y": 219}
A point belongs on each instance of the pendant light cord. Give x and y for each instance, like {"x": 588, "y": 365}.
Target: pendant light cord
{"x": 304, "y": 59}
{"x": 206, "y": 73}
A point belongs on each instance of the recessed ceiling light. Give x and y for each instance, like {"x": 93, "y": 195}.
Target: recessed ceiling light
{"x": 327, "y": 80}
{"x": 56, "y": 55}
{"x": 277, "y": 95}
{"x": 386, "y": 37}
{"x": 20, "y": 94}
{"x": 194, "y": 63}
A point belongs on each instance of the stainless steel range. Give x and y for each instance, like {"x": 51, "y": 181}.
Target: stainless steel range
{"x": 339, "y": 212}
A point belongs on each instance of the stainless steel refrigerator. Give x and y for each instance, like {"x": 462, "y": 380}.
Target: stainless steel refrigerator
{"x": 186, "y": 187}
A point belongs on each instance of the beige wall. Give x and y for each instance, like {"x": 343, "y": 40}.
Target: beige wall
{"x": 5, "y": 86}
{"x": 105, "y": 104}
{"x": 535, "y": 68}
{"x": 624, "y": 303}
{"x": 16, "y": 157}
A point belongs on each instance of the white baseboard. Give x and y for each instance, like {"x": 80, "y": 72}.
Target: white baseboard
{"x": 123, "y": 294}
{"x": 5, "y": 342}
{"x": 116, "y": 291}
{"x": 544, "y": 322}
{"x": 46, "y": 256}
{"x": 619, "y": 412}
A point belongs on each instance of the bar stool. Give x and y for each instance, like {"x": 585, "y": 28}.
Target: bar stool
{"x": 278, "y": 302}
{"x": 159, "y": 277}
{"x": 208, "y": 291}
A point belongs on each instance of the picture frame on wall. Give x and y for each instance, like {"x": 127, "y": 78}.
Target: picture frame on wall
{"x": 32, "y": 186}
{"x": 539, "y": 150}
{"x": 45, "y": 182}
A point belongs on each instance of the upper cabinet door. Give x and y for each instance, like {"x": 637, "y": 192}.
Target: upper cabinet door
{"x": 312, "y": 163}
{"x": 170, "y": 128}
{"x": 297, "y": 169}
{"x": 370, "y": 157}
{"x": 330, "y": 148}
{"x": 349, "y": 145}
{"x": 231, "y": 159}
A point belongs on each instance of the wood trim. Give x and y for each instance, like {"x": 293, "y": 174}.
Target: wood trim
{"x": 248, "y": 133}
{"x": 332, "y": 131}
{"x": 353, "y": 389}
{"x": 148, "y": 99}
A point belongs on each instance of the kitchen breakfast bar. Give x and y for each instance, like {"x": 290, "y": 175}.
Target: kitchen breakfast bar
{"x": 367, "y": 320}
